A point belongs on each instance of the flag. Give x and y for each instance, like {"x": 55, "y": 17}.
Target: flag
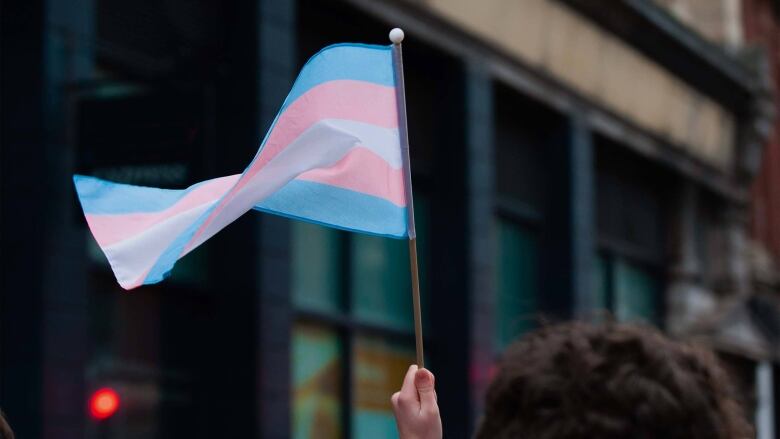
{"x": 332, "y": 157}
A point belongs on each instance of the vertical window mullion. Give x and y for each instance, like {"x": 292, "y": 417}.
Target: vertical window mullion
{"x": 660, "y": 299}
{"x": 347, "y": 333}
{"x": 609, "y": 259}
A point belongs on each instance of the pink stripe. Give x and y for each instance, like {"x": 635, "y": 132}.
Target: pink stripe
{"x": 113, "y": 228}
{"x": 359, "y": 101}
{"x": 361, "y": 170}
{"x": 341, "y": 99}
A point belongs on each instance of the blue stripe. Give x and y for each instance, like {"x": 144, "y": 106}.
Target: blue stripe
{"x": 360, "y": 62}
{"x": 336, "y": 207}
{"x": 311, "y": 202}
{"x": 104, "y": 197}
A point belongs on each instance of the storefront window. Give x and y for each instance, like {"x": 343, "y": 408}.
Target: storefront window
{"x": 635, "y": 293}
{"x": 380, "y": 278}
{"x": 601, "y": 285}
{"x": 632, "y": 207}
{"x": 317, "y": 284}
{"x": 378, "y": 371}
{"x": 628, "y": 290}
{"x": 353, "y": 295}
{"x": 380, "y": 274}
{"x": 516, "y": 282}
{"x": 317, "y": 374}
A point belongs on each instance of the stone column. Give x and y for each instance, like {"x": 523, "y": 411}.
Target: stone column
{"x": 277, "y": 68}
{"x": 686, "y": 299}
{"x": 480, "y": 168}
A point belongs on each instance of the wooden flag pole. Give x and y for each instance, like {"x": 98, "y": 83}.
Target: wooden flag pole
{"x": 418, "y": 335}
{"x": 397, "y": 36}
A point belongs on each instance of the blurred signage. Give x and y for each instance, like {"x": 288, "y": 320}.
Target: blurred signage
{"x": 152, "y": 138}
{"x": 147, "y": 137}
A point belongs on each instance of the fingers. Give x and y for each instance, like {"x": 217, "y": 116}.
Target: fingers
{"x": 414, "y": 406}
{"x": 407, "y": 399}
{"x": 424, "y": 382}
{"x": 408, "y": 390}
{"x": 394, "y": 399}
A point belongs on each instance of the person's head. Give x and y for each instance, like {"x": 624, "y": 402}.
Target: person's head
{"x": 5, "y": 429}
{"x": 578, "y": 380}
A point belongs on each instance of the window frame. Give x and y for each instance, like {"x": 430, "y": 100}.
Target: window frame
{"x": 611, "y": 250}
{"x": 523, "y": 215}
{"x": 347, "y": 326}
{"x": 620, "y": 174}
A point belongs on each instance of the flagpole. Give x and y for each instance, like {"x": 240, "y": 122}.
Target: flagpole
{"x": 397, "y": 36}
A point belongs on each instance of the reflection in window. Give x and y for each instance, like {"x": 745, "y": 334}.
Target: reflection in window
{"x": 601, "y": 285}
{"x": 316, "y": 376}
{"x": 316, "y": 263}
{"x": 380, "y": 281}
{"x": 353, "y": 283}
{"x": 635, "y": 293}
{"x": 380, "y": 278}
{"x": 628, "y": 290}
{"x": 516, "y": 281}
{"x": 378, "y": 371}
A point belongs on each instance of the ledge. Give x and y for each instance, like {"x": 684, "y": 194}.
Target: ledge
{"x": 658, "y": 35}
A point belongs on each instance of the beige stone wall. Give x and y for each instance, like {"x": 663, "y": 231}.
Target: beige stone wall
{"x": 552, "y": 37}
{"x": 720, "y": 21}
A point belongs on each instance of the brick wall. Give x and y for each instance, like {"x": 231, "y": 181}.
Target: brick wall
{"x": 762, "y": 28}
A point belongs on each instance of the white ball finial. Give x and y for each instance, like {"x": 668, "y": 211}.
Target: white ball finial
{"x": 396, "y": 35}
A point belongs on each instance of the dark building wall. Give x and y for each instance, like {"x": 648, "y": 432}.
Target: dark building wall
{"x": 22, "y": 144}
{"x": 66, "y": 328}
{"x": 44, "y": 311}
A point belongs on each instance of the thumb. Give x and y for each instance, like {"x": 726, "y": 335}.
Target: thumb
{"x": 424, "y": 382}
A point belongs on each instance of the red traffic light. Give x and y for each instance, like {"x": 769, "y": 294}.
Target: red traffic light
{"x": 103, "y": 403}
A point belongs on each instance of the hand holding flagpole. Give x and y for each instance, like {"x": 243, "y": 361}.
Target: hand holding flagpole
{"x": 397, "y": 36}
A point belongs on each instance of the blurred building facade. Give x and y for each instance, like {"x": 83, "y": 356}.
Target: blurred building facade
{"x": 747, "y": 323}
{"x": 568, "y": 159}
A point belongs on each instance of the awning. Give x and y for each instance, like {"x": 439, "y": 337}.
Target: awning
{"x": 747, "y": 325}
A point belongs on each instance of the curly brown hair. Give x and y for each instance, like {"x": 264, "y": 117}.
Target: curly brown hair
{"x": 5, "y": 429}
{"x": 578, "y": 380}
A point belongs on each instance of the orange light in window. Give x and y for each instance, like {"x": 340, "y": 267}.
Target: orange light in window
{"x": 103, "y": 403}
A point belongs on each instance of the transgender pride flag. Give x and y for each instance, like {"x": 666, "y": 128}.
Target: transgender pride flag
{"x": 333, "y": 156}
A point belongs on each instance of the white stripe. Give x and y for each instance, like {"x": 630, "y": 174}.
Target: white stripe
{"x": 384, "y": 142}
{"x": 133, "y": 257}
{"x": 321, "y": 146}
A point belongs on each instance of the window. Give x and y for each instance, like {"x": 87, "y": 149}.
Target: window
{"x": 516, "y": 281}
{"x": 525, "y": 145}
{"x": 317, "y": 280}
{"x": 635, "y": 293}
{"x": 317, "y": 375}
{"x": 630, "y": 291}
{"x": 379, "y": 368}
{"x": 353, "y": 338}
{"x": 379, "y": 275}
{"x": 355, "y": 286}
{"x": 601, "y": 284}
{"x": 631, "y": 197}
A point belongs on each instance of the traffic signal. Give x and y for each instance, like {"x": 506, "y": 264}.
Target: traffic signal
{"x": 103, "y": 403}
